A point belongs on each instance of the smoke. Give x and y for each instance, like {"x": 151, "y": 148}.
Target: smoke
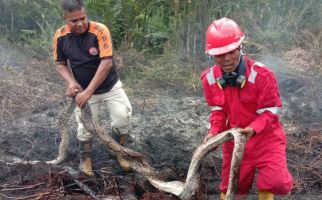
{"x": 300, "y": 87}
{"x": 10, "y": 57}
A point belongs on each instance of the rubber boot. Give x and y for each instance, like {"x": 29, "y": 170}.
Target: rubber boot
{"x": 222, "y": 196}
{"x": 121, "y": 139}
{"x": 126, "y": 167}
{"x": 264, "y": 195}
{"x": 85, "y": 164}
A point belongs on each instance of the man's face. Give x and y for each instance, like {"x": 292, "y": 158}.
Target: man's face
{"x": 228, "y": 62}
{"x": 77, "y": 21}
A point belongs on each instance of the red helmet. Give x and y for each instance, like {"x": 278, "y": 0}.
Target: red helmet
{"x": 223, "y": 35}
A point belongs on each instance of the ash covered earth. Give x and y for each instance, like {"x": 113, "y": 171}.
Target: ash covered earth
{"x": 168, "y": 125}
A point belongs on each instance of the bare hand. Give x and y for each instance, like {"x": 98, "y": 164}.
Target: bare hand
{"x": 248, "y": 132}
{"x": 82, "y": 98}
{"x": 207, "y": 137}
{"x": 72, "y": 89}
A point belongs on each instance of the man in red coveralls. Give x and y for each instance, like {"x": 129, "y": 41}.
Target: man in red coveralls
{"x": 244, "y": 93}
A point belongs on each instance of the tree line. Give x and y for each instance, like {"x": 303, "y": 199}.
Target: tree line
{"x": 156, "y": 26}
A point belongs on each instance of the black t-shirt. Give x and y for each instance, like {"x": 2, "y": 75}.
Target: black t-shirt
{"x": 84, "y": 53}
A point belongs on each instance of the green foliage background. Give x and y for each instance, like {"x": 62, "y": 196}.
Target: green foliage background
{"x": 156, "y": 26}
{"x": 170, "y": 28}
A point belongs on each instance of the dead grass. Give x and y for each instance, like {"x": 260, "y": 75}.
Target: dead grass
{"x": 35, "y": 82}
{"x": 305, "y": 161}
{"x": 27, "y": 86}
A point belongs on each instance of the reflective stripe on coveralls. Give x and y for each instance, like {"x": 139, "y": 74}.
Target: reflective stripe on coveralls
{"x": 212, "y": 108}
{"x": 274, "y": 110}
{"x": 210, "y": 77}
{"x": 253, "y": 73}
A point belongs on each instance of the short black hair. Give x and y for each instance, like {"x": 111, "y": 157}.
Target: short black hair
{"x": 72, "y": 5}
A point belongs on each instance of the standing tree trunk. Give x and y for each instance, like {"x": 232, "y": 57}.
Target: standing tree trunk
{"x": 12, "y": 25}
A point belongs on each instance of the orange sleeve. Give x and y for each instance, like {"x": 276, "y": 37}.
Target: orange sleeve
{"x": 104, "y": 41}
{"x": 58, "y": 54}
{"x": 54, "y": 46}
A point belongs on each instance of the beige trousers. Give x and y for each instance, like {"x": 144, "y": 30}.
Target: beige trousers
{"x": 118, "y": 106}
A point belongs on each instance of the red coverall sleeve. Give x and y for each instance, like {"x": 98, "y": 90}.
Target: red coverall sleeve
{"x": 268, "y": 103}
{"x": 218, "y": 116}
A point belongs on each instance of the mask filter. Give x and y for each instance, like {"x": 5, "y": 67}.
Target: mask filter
{"x": 236, "y": 79}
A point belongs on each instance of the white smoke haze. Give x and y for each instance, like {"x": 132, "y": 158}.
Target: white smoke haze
{"x": 10, "y": 58}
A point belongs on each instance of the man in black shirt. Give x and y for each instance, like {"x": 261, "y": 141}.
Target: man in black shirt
{"x": 87, "y": 47}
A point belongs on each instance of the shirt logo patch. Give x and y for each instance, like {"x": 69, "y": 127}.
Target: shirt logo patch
{"x": 93, "y": 51}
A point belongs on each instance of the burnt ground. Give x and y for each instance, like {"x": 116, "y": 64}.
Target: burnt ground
{"x": 169, "y": 122}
